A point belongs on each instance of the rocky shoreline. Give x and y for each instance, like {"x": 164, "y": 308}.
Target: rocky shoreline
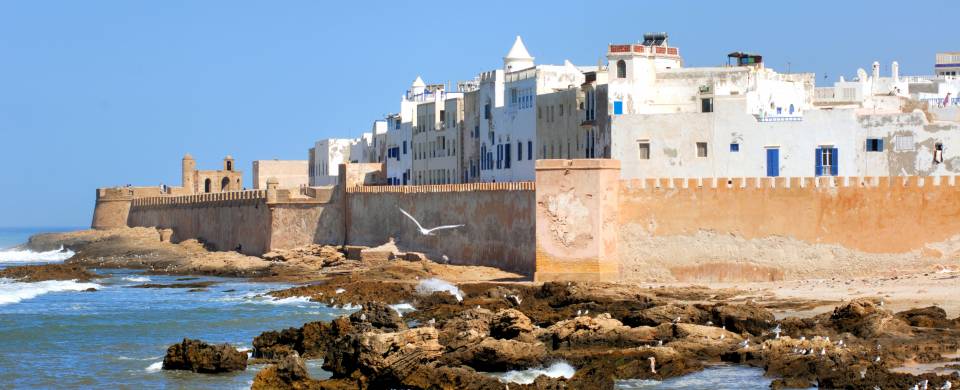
{"x": 607, "y": 331}
{"x": 459, "y": 324}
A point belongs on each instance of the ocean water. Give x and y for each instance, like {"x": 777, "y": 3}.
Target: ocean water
{"x": 55, "y": 335}
{"x": 719, "y": 377}
{"x": 13, "y": 236}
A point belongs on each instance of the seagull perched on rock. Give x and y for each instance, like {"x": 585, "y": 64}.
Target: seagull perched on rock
{"x": 514, "y": 299}
{"x": 428, "y": 232}
{"x": 776, "y": 331}
{"x": 946, "y": 385}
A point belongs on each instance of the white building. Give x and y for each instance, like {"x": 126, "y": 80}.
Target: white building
{"x": 325, "y": 159}
{"x": 508, "y": 126}
{"x": 661, "y": 119}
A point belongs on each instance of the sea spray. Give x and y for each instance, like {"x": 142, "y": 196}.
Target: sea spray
{"x": 29, "y": 256}
{"x": 12, "y": 291}
{"x": 559, "y": 369}
{"x": 429, "y": 286}
{"x": 401, "y": 308}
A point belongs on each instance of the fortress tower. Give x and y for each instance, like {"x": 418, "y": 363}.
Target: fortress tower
{"x": 228, "y": 163}
{"x": 189, "y": 172}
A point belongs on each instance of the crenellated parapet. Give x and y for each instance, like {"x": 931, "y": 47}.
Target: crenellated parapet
{"x": 439, "y": 188}
{"x": 218, "y": 199}
{"x": 790, "y": 183}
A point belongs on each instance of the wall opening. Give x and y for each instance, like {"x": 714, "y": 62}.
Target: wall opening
{"x": 621, "y": 69}
{"x": 224, "y": 184}
{"x": 206, "y": 186}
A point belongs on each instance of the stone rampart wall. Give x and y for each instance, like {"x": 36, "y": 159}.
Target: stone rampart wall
{"x": 224, "y": 221}
{"x": 498, "y": 218}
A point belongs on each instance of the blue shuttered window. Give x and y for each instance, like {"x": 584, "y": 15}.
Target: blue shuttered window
{"x": 617, "y": 107}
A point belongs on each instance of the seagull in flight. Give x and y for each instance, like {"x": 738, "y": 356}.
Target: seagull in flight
{"x": 428, "y": 232}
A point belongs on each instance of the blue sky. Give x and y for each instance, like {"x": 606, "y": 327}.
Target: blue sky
{"x": 96, "y": 93}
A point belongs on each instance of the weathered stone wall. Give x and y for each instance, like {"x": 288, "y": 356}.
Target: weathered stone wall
{"x": 763, "y": 229}
{"x": 499, "y": 219}
{"x": 576, "y": 218}
{"x": 224, "y": 221}
{"x": 111, "y": 208}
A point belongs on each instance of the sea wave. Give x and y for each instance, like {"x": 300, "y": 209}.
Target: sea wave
{"x": 428, "y": 286}
{"x": 138, "y": 279}
{"x": 559, "y": 369}
{"x": 29, "y": 256}
{"x": 154, "y": 367}
{"x": 12, "y": 291}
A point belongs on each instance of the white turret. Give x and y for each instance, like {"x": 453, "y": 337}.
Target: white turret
{"x": 876, "y": 70}
{"x": 418, "y": 86}
{"x": 895, "y": 71}
{"x": 518, "y": 58}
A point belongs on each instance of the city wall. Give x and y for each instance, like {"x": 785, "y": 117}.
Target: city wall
{"x": 580, "y": 221}
{"x": 498, "y": 218}
{"x": 223, "y": 221}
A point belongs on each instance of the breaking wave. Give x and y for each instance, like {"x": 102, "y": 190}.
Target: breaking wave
{"x": 29, "y": 256}
{"x": 559, "y": 369}
{"x": 12, "y": 291}
{"x": 154, "y": 367}
{"x": 138, "y": 279}
{"x": 428, "y": 286}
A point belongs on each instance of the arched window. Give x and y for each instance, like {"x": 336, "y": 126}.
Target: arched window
{"x": 791, "y": 109}
{"x": 224, "y": 184}
{"x": 621, "y": 69}
{"x": 206, "y": 186}
{"x": 229, "y": 165}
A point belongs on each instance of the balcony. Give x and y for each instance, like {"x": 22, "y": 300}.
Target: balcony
{"x": 778, "y": 118}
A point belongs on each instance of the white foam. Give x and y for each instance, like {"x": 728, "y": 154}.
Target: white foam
{"x": 559, "y": 369}
{"x": 340, "y": 291}
{"x": 287, "y": 300}
{"x": 401, "y": 308}
{"x": 428, "y": 286}
{"x": 12, "y": 291}
{"x": 155, "y": 367}
{"x": 29, "y": 256}
{"x": 138, "y": 279}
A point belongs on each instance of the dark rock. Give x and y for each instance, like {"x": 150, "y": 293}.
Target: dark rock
{"x": 748, "y": 318}
{"x": 510, "y": 324}
{"x": 667, "y": 314}
{"x": 198, "y": 356}
{"x": 866, "y": 319}
{"x": 492, "y": 354}
{"x": 39, "y": 273}
{"x": 194, "y": 285}
{"x": 378, "y": 315}
{"x": 927, "y": 317}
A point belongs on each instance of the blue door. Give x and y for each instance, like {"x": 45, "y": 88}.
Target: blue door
{"x": 773, "y": 162}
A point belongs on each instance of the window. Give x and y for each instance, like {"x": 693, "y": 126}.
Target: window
{"x": 826, "y": 161}
{"x": 519, "y": 151}
{"x": 791, "y": 109}
{"x": 617, "y": 107}
{"x": 621, "y": 69}
{"x": 706, "y": 105}
{"x": 938, "y": 153}
{"x": 404, "y": 147}
{"x": 486, "y": 111}
{"x": 874, "y": 145}
{"x": 904, "y": 143}
{"x": 644, "y": 150}
{"x": 506, "y": 153}
{"x": 561, "y": 110}
{"x": 734, "y": 147}
{"x": 701, "y": 149}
